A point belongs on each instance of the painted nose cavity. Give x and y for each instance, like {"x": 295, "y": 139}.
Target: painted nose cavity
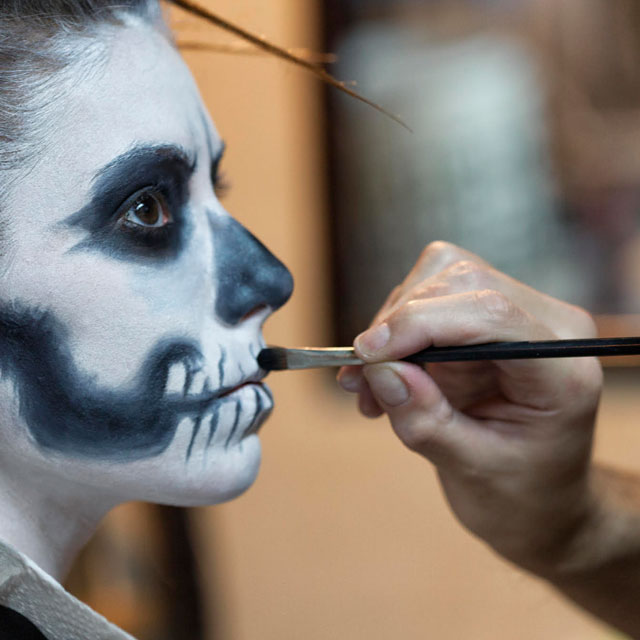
{"x": 249, "y": 275}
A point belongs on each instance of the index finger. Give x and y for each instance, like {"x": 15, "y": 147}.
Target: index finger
{"x": 472, "y": 318}
{"x": 435, "y": 258}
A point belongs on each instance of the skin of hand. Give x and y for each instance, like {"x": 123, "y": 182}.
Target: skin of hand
{"x": 511, "y": 440}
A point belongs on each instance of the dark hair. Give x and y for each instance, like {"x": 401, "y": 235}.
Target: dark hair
{"x": 39, "y": 39}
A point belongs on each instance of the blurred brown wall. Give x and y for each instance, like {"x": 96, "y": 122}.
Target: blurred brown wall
{"x": 345, "y": 534}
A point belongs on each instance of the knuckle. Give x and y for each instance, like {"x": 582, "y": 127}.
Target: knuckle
{"x": 434, "y": 289}
{"x": 423, "y": 432}
{"x": 441, "y": 251}
{"x": 417, "y": 438}
{"x": 469, "y": 274}
{"x": 407, "y": 317}
{"x": 495, "y": 306}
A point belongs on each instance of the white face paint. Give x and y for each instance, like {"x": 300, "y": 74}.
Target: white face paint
{"x": 132, "y": 304}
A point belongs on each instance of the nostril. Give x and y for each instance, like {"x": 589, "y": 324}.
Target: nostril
{"x": 255, "y": 311}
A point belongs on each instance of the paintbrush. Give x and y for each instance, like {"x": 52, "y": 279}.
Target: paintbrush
{"x": 280, "y": 358}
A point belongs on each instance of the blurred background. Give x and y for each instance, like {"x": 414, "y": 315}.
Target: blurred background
{"x": 525, "y": 148}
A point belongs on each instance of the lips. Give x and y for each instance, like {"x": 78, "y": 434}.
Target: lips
{"x": 226, "y": 419}
{"x": 188, "y": 381}
{"x": 248, "y": 383}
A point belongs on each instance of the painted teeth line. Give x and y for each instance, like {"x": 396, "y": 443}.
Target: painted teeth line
{"x": 236, "y": 420}
{"x": 185, "y": 376}
{"x": 194, "y": 433}
{"x": 213, "y": 427}
{"x": 187, "y": 381}
{"x": 195, "y": 377}
{"x": 193, "y": 382}
{"x": 259, "y": 416}
{"x": 198, "y": 383}
{"x": 256, "y": 414}
{"x": 221, "y": 362}
{"x": 213, "y": 424}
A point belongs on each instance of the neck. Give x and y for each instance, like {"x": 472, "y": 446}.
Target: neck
{"x": 47, "y": 521}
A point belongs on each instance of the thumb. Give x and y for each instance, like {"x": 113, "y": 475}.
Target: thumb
{"x": 423, "y": 418}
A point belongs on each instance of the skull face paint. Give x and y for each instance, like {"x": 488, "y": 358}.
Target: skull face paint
{"x": 132, "y": 304}
{"x": 65, "y": 412}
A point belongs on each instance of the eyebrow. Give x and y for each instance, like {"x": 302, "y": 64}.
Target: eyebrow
{"x": 141, "y": 166}
{"x": 138, "y": 161}
{"x": 166, "y": 167}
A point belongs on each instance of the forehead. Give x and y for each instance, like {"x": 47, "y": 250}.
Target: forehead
{"x": 140, "y": 92}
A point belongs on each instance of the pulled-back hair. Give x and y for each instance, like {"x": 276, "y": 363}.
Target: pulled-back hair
{"x": 42, "y": 40}
{"x": 75, "y": 13}
{"x": 39, "y": 39}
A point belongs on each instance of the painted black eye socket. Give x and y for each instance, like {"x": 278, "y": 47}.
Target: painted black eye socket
{"x": 139, "y": 207}
{"x": 148, "y": 209}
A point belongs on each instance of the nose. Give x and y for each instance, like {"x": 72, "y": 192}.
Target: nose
{"x": 248, "y": 275}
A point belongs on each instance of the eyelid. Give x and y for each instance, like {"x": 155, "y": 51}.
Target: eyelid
{"x": 164, "y": 169}
{"x": 132, "y": 199}
{"x": 120, "y": 218}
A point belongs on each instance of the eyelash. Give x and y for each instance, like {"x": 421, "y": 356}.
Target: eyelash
{"x": 148, "y": 233}
{"x": 221, "y": 184}
{"x": 221, "y": 187}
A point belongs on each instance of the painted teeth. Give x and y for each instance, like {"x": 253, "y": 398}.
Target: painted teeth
{"x": 177, "y": 378}
{"x": 198, "y": 382}
{"x": 202, "y": 433}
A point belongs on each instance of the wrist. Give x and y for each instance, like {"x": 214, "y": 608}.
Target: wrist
{"x": 605, "y": 531}
{"x": 556, "y": 548}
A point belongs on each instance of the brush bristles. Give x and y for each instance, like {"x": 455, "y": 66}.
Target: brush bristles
{"x": 279, "y": 358}
{"x": 273, "y": 359}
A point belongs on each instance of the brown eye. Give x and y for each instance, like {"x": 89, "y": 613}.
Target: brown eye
{"x": 149, "y": 210}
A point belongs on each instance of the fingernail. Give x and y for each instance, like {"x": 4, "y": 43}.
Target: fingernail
{"x": 373, "y": 340}
{"x": 349, "y": 381}
{"x": 387, "y": 385}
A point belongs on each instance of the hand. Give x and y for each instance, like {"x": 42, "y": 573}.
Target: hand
{"x": 511, "y": 440}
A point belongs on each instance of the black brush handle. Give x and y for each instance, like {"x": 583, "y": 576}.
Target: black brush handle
{"x": 523, "y": 350}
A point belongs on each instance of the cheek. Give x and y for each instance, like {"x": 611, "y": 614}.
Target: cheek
{"x": 111, "y": 333}
{"x": 134, "y": 306}
{"x": 183, "y": 287}
{"x": 115, "y": 316}
{"x": 116, "y": 311}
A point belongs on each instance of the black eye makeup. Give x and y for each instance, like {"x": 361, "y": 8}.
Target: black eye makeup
{"x": 139, "y": 205}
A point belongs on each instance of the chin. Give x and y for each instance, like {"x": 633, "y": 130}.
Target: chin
{"x": 221, "y": 476}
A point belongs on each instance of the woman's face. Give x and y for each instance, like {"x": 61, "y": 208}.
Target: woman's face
{"x": 131, "y": 303}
